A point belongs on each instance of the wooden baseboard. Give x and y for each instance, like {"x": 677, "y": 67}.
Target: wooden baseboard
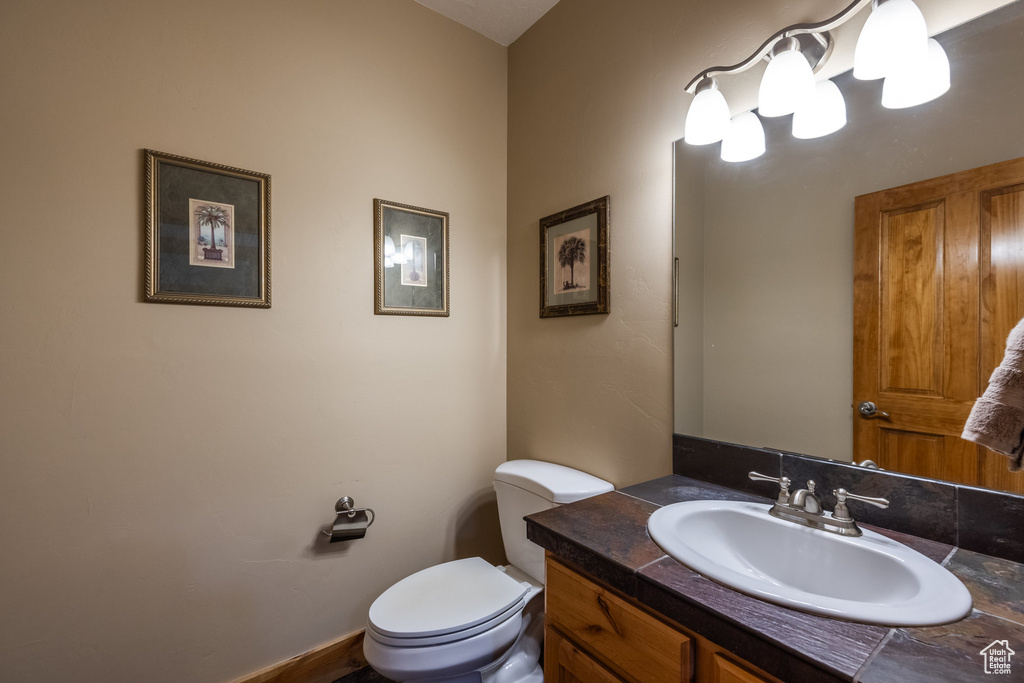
{"x": 323, "y": 664}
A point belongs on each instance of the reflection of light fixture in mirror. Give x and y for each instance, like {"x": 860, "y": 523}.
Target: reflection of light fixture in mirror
{"x": 397, "y": 255}
{"x": 918, "y": 83}
{"x": 823, "y": 114}
{"x": 707, "y": 120}
{"x": 788, "y": 82}
{"x": 745, "y": 139}
{"x": 894, "y": 36}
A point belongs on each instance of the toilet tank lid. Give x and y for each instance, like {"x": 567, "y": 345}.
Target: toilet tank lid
{"x": 553, "y": 482}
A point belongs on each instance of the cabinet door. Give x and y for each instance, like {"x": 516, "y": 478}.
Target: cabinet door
{"x": 566, "y": 663}
{"x": 723, "y": 670}
{"x": 634, "y": 644}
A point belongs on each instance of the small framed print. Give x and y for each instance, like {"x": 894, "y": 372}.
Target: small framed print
{"x": 207, "y": 233}
{"x": 208, "y": 248}
{"x": 410, "y": 260}
{"x": 574, "y": 261}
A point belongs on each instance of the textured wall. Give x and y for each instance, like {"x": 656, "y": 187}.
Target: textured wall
{"x": 165, "y": 469}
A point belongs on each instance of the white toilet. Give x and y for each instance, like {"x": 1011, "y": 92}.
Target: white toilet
{"x": 468, "y": 621}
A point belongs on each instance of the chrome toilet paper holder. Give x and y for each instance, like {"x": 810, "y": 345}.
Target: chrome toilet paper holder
{"x": 350, "y": 522}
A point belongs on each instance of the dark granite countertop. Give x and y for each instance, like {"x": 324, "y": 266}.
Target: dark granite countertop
{"x": 606, "y": 536}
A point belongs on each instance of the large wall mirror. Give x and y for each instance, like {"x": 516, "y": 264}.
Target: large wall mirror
{"x": 765, "y": 272}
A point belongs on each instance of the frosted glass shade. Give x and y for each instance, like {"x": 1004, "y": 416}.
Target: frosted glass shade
{"x": 745, "y": 139}
{"x": 894, "y": 36}
{"x": 787, "y": 83}
{"x": 823, "y": 114}
{"x": 707, "y": 121}
{"x": 398, "y": 256}
{"x": 389, "y": 247}
{"x": 920, "y": 83}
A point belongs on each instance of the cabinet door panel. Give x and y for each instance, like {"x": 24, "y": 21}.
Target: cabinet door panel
{"x": 726, "y": 671}
{"x": 565, "y": 663}
{"x": 631, "y": 642}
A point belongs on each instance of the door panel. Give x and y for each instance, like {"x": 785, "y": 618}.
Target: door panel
{"x": 910, "y": 353}
{"x": 922, "y": 454}
{"x": 1002, "y": 296}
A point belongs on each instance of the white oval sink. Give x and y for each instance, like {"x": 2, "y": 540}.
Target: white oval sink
{"x": 870, "y": 578}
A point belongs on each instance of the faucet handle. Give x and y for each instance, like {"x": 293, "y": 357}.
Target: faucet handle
{"x": 842, "y": 512}
{"x": 783, "y": 483}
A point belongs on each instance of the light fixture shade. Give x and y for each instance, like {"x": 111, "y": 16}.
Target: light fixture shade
{"x": 787, "y": 83}
{"x": 388, "y": 263}
{"x": 894, "y": 36}
{"x": 707, "y": 121}
{"x": 920, "y": 83}
{"x": 745, "y": 139}
{"x": 399, "y": 256}
{"x": 823, "y": 114}
{"x": 389, "y": 247}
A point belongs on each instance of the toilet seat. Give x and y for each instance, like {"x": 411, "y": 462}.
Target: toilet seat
{"x": 445, "y": 603}
{"x": 493, "y": 623}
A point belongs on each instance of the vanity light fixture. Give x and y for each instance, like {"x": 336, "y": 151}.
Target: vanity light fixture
{"x": 823, "y": 114}
{"x": 893, "y": 37}
{"x": 745, "y": 139}
{"x": 788, "y": 82}
{"x": 912, "y": 86}
{"x": 893, "y": 44}
{"x": 394, "y": 256}
{"x": 708, "y": 118}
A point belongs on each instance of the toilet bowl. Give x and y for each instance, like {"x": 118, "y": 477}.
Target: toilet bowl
{"x": 468, "y": 621}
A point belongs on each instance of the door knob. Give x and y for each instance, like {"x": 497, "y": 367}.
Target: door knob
{"x": 869, "y": 409}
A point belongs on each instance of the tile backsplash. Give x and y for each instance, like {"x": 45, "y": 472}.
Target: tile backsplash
{"x": 989, "y": 522}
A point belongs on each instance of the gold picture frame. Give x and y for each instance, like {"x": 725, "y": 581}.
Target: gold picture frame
{"x": 207, "y": 233}
{"x": 574, "y": 261}
{"x": 410, "y": 252}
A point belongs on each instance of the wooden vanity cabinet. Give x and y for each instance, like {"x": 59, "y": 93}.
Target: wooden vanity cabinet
{"x": 566, "y": 663}
{"x": 594, "y": 634}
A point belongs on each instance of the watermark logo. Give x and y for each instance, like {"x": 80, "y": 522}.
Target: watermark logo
{"x": 997, "y": 657}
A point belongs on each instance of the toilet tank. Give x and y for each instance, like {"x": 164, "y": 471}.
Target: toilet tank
{"x": 528, "y": 486}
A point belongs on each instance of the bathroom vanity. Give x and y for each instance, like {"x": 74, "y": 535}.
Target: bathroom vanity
{"x": 596, "y": 634}
{"x": 620, "y": 609}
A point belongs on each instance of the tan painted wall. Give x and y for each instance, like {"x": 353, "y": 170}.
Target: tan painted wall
{"x": 595, "y": 100}
{"x": 165, "y": 470}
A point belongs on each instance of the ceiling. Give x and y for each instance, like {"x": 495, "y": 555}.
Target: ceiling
{"x": 500, "y": 20}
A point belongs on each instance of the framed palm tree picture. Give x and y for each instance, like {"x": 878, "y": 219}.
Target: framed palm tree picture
{"x": 207, "y": 233}
{"x": 574, "y": 261}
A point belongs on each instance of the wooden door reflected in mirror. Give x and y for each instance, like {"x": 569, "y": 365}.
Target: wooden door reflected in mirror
{"x": 938, "y": 285}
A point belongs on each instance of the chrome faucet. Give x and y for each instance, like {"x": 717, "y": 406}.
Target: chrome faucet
{"x": 804, "y": 507}
{"x": 805, "y": 500}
